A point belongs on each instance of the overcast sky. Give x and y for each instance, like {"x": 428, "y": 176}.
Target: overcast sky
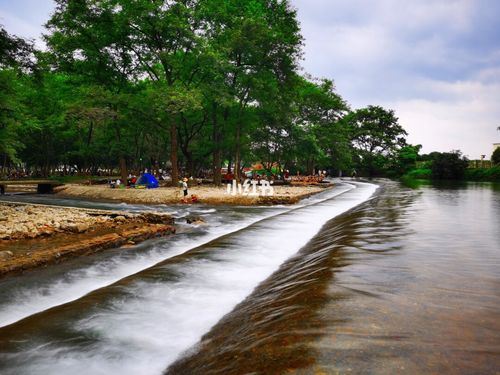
{"x": 435, "y": 62}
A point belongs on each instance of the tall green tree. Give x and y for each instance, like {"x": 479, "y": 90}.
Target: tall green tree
{"x": 257, "y": 43}
{"x": 16, "y": 57}
{"x": 376, "y": 136}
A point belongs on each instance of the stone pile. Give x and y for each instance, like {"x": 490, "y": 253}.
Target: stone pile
{"x": 31, "y": 221}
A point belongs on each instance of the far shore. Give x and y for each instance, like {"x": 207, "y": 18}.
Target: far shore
{"x": 205, "y": 194}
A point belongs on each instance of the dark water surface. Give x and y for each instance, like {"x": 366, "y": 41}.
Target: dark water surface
{"x": 407, "y": 283}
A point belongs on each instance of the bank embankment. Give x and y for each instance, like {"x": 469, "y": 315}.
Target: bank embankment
{"x": 37, "y": 235}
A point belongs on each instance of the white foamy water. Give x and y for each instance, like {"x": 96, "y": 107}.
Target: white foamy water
{"x": 26, "y": 301}
{"x": 161, "y": 317}
{"x": 19, "y": 301}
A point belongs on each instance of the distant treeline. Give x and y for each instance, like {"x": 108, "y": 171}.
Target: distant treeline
{"x": 453, "y": 166}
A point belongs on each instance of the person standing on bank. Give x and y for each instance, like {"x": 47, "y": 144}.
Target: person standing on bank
{"x": 185, "y": 189}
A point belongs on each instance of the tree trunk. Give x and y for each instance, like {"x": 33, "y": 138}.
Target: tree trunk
{"x": 173, "y": 153}
{"x": 190, "y": 163}
{"x": 3, "y": 165}
{"x": 237, "y": 159}
{"x": 123, "y": 169}
{"x": 216, "y": 158}
{"x": 122, "y": 160}
{"x": 229, "y": 164}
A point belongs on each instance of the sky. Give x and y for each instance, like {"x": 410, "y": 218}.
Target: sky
{"x": 436, "y": 63}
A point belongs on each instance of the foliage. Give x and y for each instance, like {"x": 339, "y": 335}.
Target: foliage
{"x": 423, "y": 173}
{"x": 495, "y": 157}
{"x": 448, "y": 166}
{"x": 376, "y": 136}
{"x": 483, "y": 174}
{"x": 181, "y": 85}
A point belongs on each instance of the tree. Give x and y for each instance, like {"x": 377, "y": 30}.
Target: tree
{"x": 15, "y": 51}
{"x": 376, "y": 136}
{"x": 406, "y": 159}
{"x": 495, "y": 157}
{"x": 257, "y": 44}
{"x": 449, "y": 165}
{"x": 16, "y": 56}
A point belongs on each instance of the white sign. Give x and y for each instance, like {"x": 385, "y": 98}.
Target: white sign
{"x": 250, "y": 188}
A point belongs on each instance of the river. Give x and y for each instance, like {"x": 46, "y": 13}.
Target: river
{"x": 358, "y": 279}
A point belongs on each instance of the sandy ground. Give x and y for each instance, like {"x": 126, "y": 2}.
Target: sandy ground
{"x": 205, "y": 194}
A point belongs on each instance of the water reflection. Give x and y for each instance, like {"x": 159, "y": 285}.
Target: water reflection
{"x": 406, "y": 283}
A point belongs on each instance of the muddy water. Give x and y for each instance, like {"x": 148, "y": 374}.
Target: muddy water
{"x": 407, "y": 283}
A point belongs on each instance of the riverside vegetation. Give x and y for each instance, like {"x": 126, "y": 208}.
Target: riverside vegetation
{"x": 184, "y": 86}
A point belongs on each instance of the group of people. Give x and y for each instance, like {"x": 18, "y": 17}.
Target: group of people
{"x": 131, "y": 181}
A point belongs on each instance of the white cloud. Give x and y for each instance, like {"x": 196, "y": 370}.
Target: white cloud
{"x": 465, "y": 118}
{"x": 25, "y": 18}
{"x": 18, "y": 26}
{"x": 435, "y": 62}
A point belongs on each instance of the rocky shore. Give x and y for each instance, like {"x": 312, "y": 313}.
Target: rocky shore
{"x": 37, "y": 235}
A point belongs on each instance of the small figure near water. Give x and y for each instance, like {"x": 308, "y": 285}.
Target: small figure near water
{"x": 185, "y": 189}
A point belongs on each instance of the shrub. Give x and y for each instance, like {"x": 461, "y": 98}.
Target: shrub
{"x": 421, "y": 173}
{"x": 483, "y": 174}
{"x": 449, "y": 166}
{"x": 495, "y": 157}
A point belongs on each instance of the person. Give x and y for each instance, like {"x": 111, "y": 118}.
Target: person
{"x": 185, "y": 189}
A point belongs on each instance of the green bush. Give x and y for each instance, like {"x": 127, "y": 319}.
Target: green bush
{"x": 421, "y": 173}
{"x": 495, "y": 157}
{"x": 483, "y": 174}
{"x": 448, "y": 166}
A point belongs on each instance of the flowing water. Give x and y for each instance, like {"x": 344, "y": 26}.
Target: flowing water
{"x": 356, "y": 280}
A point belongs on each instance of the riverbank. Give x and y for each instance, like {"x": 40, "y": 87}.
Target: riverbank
{"x": 205, "y": 194}
{"x": 36, "y": 235}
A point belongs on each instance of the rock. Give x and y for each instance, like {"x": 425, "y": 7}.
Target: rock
{"x": 75, "y": 228}
{"x": 6, "y": 254}
{"x": 157, "y": 218}
{"x": 195, "y": 220}
{"x": 46, "y": 231}
{"x": 120, "y": 218}
{"x": 68, "y": 227}
{"x": 80, "y": 228}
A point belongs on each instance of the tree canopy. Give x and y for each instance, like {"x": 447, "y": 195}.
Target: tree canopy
{"x": 185, "y": 86}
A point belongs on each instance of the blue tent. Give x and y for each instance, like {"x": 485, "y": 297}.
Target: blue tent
{"x": 149, "y": 180}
